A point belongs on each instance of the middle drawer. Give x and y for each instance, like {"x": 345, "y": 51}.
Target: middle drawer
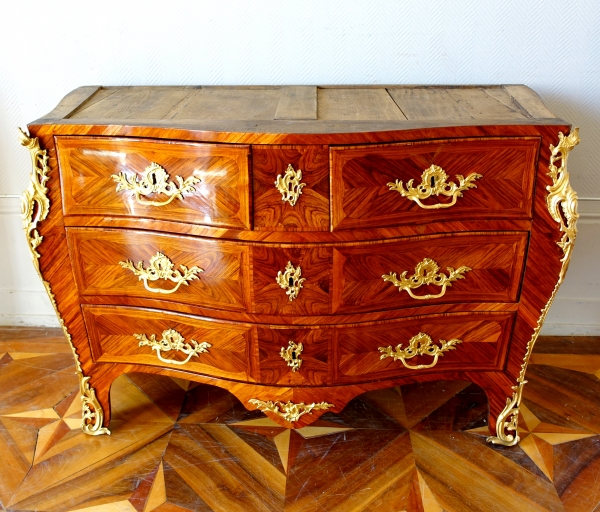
{"x": 298, "y": 280}
{"x": 197, "y": 271}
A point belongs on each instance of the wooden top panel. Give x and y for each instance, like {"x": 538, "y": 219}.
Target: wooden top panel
{"x": 301, "y": 109}
{"x": 357, "y": 105}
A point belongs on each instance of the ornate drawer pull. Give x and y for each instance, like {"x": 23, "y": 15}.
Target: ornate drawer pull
{"x": 161, "y": 267}
{"x": 426, "y": 272}
{"x": 172, "y": 340}
{"x": 289, "y": 185}
{"x": 419, "y": 345}
{"x": 290, "y": 280}
{"x": 292, "y": 355}
{"x": 433, "y": 182}
{"x": 155, "y": 180}
{"x": 289, "y": 411}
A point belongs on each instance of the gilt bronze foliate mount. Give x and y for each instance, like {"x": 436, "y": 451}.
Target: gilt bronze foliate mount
{"x": 155, "y": 180}
{"x": 161, "y": 267}
{"x": 35, "y": 207}
{"x": 289, "y": 411}
{"x": 172, "y": 340}
{"x": 419, "y": 345}
{"x": 426, "y": 273}
{"x": 434, "y": 183}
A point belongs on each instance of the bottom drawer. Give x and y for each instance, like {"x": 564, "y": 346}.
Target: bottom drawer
{"x": 412, "y": 346}
{"x": 159, "y": 338}
{"x": 300, "y": 355}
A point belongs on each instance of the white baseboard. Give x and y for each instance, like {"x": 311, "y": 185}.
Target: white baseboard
{"x": 28, "y": 321}
{"x": 31, "y": 308}
{"x": 551, "y": 329}
{"x": 573, "y": 317}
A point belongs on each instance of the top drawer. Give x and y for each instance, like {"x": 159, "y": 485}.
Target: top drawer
{"x": 393, "y": 184}
{"x": 291, "y": 188}
{"x": 178, "y": 181}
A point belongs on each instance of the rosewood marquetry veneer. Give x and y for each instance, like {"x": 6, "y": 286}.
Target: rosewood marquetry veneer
{"x": 299, "y": 246}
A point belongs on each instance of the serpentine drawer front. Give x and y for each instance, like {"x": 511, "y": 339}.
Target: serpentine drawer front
{"x": 422, "y": 344}
{"x": 139, "y": 336}
{"x": 460, "y": 268}
{"x": 421, "y": 181}
{"x": 299, "y": 246}
{"x": 187, "y": 182}
{"x": 118, "y": 262}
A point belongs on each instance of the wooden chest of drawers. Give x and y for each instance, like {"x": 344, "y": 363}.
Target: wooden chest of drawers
{"x": 299, "y": 246}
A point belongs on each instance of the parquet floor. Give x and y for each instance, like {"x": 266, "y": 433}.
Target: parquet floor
{"x": 179, "y": 446}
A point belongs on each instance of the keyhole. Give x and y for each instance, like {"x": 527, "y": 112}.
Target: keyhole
{"x": 153, "y": 178}
{"x": 432, "y": 181}
{"x": 291, "y": 281}
{"x": 293, "y": 355}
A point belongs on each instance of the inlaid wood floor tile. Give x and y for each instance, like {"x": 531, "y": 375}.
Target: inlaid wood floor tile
{"x": 216, "y": 476}
{"x": 582, "y": 493}
{"x": 180, "y": 496}
{"x": 112, "y": 481}
{"x": 435, "y": 497}
{"x": 150, "y": 493}
{"x": 170, "y": 507}
{"x": 354, "y": 469}
{"x": 158, "y": 492}
{"x": 206, "y": 404}
{"x": 5, "y": 359}
{"x": 167, "y": 394}
{"x": 481, "y": 478}
{"x": 417, "y": 400}
{"x": 178, "y": 446}
{"x": 14, "y": 466}
{"x": 570, "y": 395}
{"x": 117, "y": 506}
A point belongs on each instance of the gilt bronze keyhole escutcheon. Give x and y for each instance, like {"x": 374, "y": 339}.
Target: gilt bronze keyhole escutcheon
{"x": 291, "y": 355}
{"x": 290, "y": 185}
{"x": 290, "y": 280}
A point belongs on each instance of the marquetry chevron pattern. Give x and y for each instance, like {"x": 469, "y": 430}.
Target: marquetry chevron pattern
{"x": 179, "y": 446}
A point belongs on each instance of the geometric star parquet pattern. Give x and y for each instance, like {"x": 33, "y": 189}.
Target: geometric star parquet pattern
{"x": 179, "y": 446}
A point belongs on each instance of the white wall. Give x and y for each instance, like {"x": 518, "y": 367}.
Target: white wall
{"x": 50, "y": 48}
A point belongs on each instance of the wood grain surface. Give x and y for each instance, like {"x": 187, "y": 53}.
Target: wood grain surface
{"x": 241, "y": 234}
{"x": 314, "y": 298}
{"x": 317, "y": 363}
{"x": 297, "y": 102}
{"x": 484, "y": 338}
{"x": 223, "y": 282}
{"x": 363, "y": 199}
{"x": 496, "y": 261}
{"x": 311, "y": 212}
{"x": 220, "y": 198}
{"x": 112, "y": 340}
